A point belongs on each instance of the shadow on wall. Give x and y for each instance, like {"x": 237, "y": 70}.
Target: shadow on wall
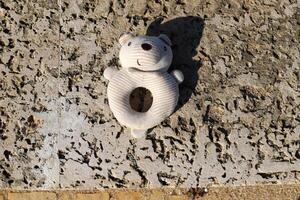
{"x": 185, "y": 34}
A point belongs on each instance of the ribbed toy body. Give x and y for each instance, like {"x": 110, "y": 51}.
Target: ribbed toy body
{"x": 163, "y": 87}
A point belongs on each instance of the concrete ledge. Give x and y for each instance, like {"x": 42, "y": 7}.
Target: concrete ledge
{"x": 280, "y": 192}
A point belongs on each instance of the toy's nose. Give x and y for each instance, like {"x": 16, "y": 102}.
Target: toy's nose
{"x": 146, "y": 46}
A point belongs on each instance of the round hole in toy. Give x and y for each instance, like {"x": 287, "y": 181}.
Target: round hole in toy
{"x": 141, "y": 99}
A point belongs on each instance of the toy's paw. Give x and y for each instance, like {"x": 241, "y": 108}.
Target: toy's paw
{"x": 138, "y": 133}
{"x": 178, "y": 75}
{"x": 109, "y": 73}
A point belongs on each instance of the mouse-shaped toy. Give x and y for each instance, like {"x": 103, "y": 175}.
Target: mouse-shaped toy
{"x": 145, "y": 61}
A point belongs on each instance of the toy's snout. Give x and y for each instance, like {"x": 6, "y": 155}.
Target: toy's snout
{"x": 150, "y": 54}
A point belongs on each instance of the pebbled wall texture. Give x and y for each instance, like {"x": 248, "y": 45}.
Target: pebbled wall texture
{"x": 238, "y": 117}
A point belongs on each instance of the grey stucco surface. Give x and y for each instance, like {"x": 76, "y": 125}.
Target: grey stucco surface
{"x": 238, "y": 118}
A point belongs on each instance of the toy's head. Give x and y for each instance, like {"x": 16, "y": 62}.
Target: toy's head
{"x": 145, "y": 53}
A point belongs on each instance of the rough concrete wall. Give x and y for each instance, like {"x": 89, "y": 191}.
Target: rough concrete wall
{"x": 238, "y": 117}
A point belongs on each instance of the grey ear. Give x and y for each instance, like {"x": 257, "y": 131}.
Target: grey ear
{"x": 165, "y": 39}
{"x": 124, "y": 38}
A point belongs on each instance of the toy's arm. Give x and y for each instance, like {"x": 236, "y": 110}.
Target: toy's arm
{"x": 109, "y": 72}
{"x": 178, "y": 75}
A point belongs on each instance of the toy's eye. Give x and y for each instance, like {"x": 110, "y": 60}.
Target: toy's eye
{"x": 129, "y": 43}
{"x": 165, "y": 48}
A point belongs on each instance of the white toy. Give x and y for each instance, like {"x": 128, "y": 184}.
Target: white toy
{"x": 145, "y": 61}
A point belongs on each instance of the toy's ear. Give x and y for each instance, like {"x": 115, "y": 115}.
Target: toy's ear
{"x": 165, "y": 39}
{"x": 125, "y": 37}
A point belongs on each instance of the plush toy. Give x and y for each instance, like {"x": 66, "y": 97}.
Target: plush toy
{"x": 145, "y": 61}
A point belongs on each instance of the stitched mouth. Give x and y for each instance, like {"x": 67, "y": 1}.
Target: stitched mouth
{"x": 137, "y": 61}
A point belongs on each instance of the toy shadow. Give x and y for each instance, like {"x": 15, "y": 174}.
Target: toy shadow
{"x": 185, "y": 34}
